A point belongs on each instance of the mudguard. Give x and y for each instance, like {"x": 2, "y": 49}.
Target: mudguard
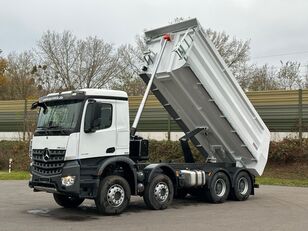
{"x": 122, "y": 159}
{"x": 151, "y": 169}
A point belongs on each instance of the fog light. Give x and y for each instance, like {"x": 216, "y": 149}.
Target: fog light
{"x": 68, "y": 180}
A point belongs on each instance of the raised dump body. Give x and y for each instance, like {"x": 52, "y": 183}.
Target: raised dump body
{"x": 195, "y": 86}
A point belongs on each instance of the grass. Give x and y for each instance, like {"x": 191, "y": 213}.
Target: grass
{"x": 282, "y": 181}
{"x": 295, "y": 174}
{"x": 14, "y": 175}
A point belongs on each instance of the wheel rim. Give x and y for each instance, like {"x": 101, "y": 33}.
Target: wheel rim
{"x": 220, "y": 187}
{"x": 161, "y": 191}
{"x": 243, "y": 185}
{"x": 115, "y": 195}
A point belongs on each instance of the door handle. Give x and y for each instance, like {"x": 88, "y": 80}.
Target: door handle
{"x": 110, "y": 150}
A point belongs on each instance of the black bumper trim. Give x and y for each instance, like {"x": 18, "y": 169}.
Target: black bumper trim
{"x": 53, "y": 183}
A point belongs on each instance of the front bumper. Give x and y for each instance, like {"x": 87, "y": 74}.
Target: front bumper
{"x": 52, "y": 183}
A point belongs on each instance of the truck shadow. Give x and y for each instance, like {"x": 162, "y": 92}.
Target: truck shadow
{"x": 83, "y": 213}
{"x": 87, "y": 211}
{"x": 139, "y": 206}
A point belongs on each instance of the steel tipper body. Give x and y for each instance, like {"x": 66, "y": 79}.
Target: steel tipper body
{"x": 198, "y": 90}
{"x": 83, "y": 146}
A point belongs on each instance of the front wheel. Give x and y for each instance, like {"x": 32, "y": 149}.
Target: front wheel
{"x": 67, "y": 201}
{"x": 159, "y": 192}
{"x": 113, "y": 195}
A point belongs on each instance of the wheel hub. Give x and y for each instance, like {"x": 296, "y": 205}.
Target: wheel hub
{"x": 220, "y": 187}
{"x": 115, "y": 195}
{"x": 161, "y": 192}
{"x": 243, "y": 185}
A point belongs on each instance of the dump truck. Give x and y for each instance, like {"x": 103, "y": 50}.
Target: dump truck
{"x": 84, "y": 148}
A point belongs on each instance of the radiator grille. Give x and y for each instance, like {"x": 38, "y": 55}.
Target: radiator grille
{"x": 48, "y": 161}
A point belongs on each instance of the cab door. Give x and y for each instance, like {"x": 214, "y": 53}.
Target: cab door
{"x": 98, "y": 129}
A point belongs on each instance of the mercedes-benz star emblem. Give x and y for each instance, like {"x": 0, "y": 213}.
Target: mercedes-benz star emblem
{"x": 46, "y": 154}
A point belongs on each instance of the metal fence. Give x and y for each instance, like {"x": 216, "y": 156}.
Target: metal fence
{"x": 282, "y": 111}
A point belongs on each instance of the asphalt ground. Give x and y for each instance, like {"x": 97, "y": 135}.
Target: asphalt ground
{"x": 272, "y": 208}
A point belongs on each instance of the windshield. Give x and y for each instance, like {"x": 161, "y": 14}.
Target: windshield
{"x": 60, "y": 115}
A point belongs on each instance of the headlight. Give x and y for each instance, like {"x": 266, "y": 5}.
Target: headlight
{"x": 68, "y": 180}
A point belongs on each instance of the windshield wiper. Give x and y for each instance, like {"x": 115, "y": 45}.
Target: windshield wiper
{"x": 44, "y": 129}
{"x": 54, "y": 126}
{"x": 59, "y": 128}
{"x": 41, "y": 127}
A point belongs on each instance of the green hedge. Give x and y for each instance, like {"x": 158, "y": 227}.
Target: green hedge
{"x": 288, "y": 151}
{"x": 285, "y": 151}
{"x": 170, "y": 151}
{"x": 18, "y": 151}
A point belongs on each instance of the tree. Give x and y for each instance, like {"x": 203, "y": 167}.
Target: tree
{"x": 262, "y": 79}
{"x": 21, "y": 83}
{"x": 45, "y": 80}
{"x": 3, "y": 79}
{"x": 289, "y": 75}
{"x": 3, "y": 65}
{"x": 58, "y": 53}
{"x": 305, "y": 77}
{"x": 97, "y": 63}
{"x": 73, "y": 63}
{"x": 20, "y": 76}
{"x": 235, "y": 52}
{"x": 130, "y": 62}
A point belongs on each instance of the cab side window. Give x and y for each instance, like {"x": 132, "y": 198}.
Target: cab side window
{"x": 104, "y": 116}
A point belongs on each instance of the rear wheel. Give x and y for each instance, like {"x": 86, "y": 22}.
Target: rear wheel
{"x": 113, "y": 195}
{"x": 242, "y": 187}
{"x": 159, "y": 192}
{"x": 219, "y": 188}
{"x": 67, "y": 201}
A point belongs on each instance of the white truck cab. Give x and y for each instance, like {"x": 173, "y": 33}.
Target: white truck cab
{"x": 66, "y": 125}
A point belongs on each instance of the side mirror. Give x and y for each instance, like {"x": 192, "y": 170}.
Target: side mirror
{"x": 34, "y": 105}
{"x": 38, "y": 104}
{"x": 92, "y": 117}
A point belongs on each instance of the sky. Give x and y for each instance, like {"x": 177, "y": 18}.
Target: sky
{"x": 278, "y": 29}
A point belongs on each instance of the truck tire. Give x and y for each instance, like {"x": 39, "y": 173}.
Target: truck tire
{"x": 242, "y": 187}
{"x": 113, "y": 195}
{"x": 67, "y": 201}
{"x": 219, "y": 188}
{"x": 158, "y": 192}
